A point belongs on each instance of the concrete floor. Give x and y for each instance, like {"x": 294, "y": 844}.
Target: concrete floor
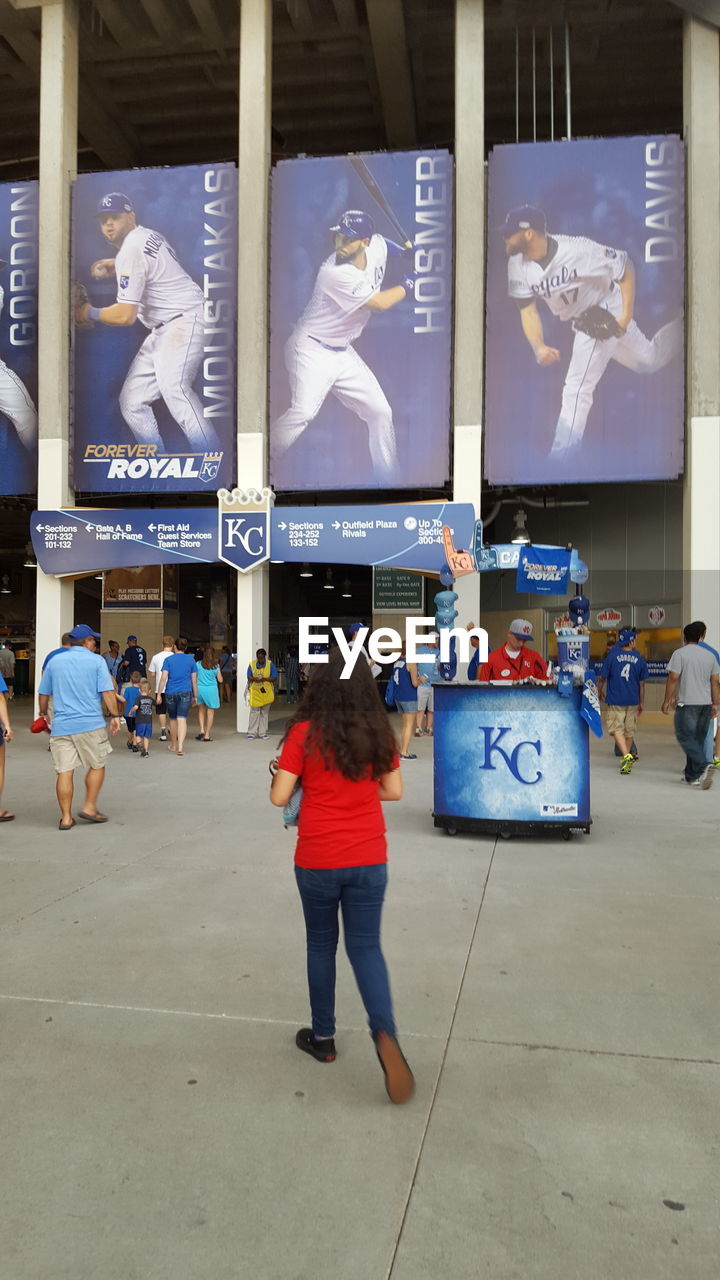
{"x": 557, "y": 1001}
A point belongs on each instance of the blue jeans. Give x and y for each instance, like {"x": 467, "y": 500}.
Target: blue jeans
{"x": 691, "y": 726}
{"x": 359, "y": 893}
{"x": 178, "y": 704}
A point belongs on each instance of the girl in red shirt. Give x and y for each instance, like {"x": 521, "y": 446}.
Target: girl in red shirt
{"x": 339, "y": 745}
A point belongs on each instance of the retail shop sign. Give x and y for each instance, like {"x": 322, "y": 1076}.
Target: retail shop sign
{"x": 608, "y": 619}
{"x": 396, "y": 591}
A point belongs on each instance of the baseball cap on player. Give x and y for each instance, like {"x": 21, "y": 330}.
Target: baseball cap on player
{"x": 131, "y": 638}
{"x": 355, "y": 224}
{"x": 626, "y": 635}
{"x": 521, "y": 628}
{"x": 523, "y": 218}
{"x": 115, "y": 202}
{"x": 82, "y": 632}
{"x": 355, "y": 627}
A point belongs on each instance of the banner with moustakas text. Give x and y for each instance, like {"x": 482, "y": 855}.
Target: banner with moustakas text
{"x": 153, "y": 402}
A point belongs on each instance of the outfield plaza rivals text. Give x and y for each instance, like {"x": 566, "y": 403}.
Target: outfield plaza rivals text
{"x": 418, "y": 631}
{"x": 136, "y": 461}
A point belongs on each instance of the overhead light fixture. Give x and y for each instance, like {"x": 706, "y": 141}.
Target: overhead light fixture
{"x": 328, "y": 584}
{"x": 29, "y": 562}
{"x": 520, "y": 533}
{"x": 5, "y": 587}
{"x": 305, "y": 570}
{"x": 199, "y": 593}
{"x": 347, "y": 593}
{"x": 99, "y": 577}
{"x": 277, "y": 561}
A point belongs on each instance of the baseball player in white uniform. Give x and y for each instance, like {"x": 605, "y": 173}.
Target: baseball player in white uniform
{"x": 15, "y": 402}
{"x": 319, "y": 354}
{"x": 153, "y": 288}
{"x": 571, "y": 274}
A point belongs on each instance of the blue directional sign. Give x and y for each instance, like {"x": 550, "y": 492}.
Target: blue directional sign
{"x": 404, "y": 535}
{"x": 80, "y": 540}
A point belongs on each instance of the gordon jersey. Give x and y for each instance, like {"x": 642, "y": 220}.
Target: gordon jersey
{"x": 525, "y": 665}
{"x": 623, "y": 669}
{"x": 579, "y": 274}
{"x": 150, "y": 276}
{"x": 336, "y": 313}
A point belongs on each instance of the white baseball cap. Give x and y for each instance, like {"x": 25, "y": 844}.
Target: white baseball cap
{"x": 521, "y": 628}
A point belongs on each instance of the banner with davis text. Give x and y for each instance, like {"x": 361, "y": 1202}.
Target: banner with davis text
{"x": 361, "y": 321}
{"x": 153, "y": 404}
{"x": 18, "y": 337}
{"x": 585, "y": 311}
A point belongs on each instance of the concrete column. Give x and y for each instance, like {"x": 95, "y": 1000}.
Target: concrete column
{"x": 253, "y": 174}
{"x": 58, "y": 162}
{"x": 701, "y": 512}
{"x": 469, "y": 272}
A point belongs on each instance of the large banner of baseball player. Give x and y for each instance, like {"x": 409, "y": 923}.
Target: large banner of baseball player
{"x": 585, "y": 322}
{"x": 361, "y": 321}
{"x": 18, "y": 336}
{"x": 154, "y": 257}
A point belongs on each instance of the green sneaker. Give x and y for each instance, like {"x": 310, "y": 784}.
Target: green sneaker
{"x": 627, "y": 764}
{"x": 716, "y": 762}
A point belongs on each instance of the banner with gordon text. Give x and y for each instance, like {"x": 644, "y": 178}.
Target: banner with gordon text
{"x": 153, "y": 405}
{"x": 361, "y": 321}
{"x": 585, "y": 311}
{"x": 18, "y": 336}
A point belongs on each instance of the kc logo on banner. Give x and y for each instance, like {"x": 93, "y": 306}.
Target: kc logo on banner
{"x": 244, "y": 527}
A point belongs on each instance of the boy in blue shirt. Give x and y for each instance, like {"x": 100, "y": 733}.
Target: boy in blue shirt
{"x": 622, "y": 684}
{"x": 131, "y": 694}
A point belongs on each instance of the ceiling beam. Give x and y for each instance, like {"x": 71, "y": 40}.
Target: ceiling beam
{"x": 386, "y": 24}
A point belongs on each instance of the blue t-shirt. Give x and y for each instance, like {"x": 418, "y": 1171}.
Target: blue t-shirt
{"x": 75, "y": 685}
{"x": 131, "y": 696}
{"x": 623, "y": 669}
{"x": 3, "y": 686}
{"x": 52, "y": 654}
{"x": 179, "y": 667}
{"x": 254, "y": 669}
{"x": 405, "y": 690}
{"x": 714, "y": 652}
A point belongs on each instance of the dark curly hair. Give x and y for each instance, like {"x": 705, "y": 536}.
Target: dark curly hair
{"x": 349, "y": 725}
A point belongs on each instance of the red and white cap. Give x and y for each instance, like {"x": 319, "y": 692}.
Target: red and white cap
{"x": 521, "y": 628}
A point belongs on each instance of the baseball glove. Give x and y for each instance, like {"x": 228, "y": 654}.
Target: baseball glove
{"x": 79, "y": 299}
{"x": 598, "y": 322}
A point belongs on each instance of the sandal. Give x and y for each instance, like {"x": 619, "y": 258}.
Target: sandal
{"x": 6, "y": 816}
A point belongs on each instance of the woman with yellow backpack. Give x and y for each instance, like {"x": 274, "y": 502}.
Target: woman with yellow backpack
{"x": 261, "y": 677}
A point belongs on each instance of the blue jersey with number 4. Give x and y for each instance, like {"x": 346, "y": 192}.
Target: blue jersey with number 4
{"x": 623, "y": 669}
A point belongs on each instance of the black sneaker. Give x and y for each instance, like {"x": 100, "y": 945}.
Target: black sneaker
{"x": 399, "y": 1079}
{"x": 322, "y": 1050}
{"x": 163, "y": 735}
{"x": 130, "y": 746}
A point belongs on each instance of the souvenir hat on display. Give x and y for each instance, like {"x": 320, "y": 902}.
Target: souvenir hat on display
{"x": 521, "y": 628}
{"x": 83, "y": 632}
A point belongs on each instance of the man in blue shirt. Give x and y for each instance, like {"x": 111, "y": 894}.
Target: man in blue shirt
{"x": 624, "y": 673}
{"x": 178, "y": 682}
{"x": 79, "y": 682}
{"x": 712, "y": 742}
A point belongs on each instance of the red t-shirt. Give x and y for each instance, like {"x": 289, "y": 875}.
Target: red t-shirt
{"x": 341, "y": 823}
{"x": 504, "y": 666}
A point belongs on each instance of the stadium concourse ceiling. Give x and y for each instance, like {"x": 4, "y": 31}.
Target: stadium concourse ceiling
{"x": 158, "y": 82}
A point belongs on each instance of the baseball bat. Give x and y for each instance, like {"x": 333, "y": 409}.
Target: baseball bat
{"x": 368, "y": 181}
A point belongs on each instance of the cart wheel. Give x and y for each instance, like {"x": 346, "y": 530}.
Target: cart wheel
{"x": 566, "y": 833}
{"x": 451, "y": 831}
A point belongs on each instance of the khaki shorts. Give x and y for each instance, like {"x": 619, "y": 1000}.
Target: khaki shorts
{"x": 622, "y": 720}
{"x": 89, "y": 749}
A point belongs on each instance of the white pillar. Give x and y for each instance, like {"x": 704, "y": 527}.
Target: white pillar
{"x": 469, "y": 272}
{"x": 701, "y": 544}
{"x": 253, "y": 176}
{"x": 58, "y": 161}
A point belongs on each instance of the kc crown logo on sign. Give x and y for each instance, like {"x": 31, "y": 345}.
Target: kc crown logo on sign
{"x": 244, "y": 527}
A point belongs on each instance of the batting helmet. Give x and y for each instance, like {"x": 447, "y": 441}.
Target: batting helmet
{"x": 355, "y": 224}
{"x": 115, "y": 202}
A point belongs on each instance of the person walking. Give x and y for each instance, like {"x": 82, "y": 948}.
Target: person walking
{"x": 7, "y": 668}
{"x": 113, "y": 658}
{"x": 405, "y": 678}
{"x": 178, "y": 681}
{"x": 693, "y": 688}
{"x": 155, "y": 667}
{"x": 79, "y": 682}
{"x": 622, "y": 683}
{"x": 133, "y": 659}
{"x": 131, "y": 694}
{"x": 292, "y": 674}
{"x": 144, "y": 708}
{"x": 209, "y": 680}
{"x": 261, "y": 677}
{"x": 227, "y": 669}
{"x": 340, "y": 747}
{"x": 6, "y": 735}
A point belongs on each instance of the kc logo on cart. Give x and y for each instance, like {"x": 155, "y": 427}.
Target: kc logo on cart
{"x": 510, "y": 756}
{"x": 244, "y": 527}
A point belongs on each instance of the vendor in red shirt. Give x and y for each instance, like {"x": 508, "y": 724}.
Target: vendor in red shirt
{"x": 514, "y": 660}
